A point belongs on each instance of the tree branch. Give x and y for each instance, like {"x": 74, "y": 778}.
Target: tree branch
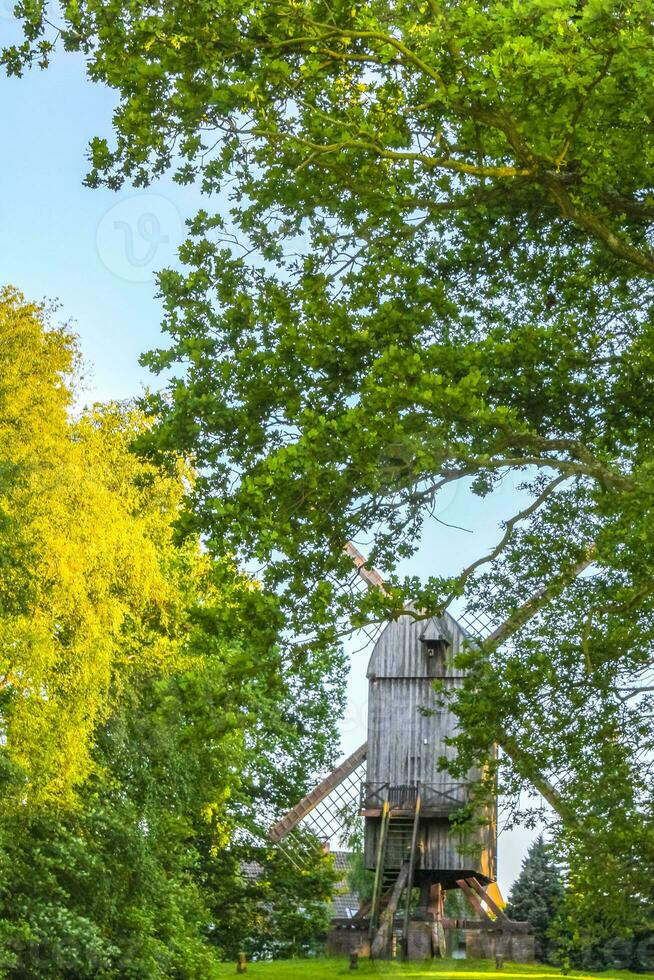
{"x": 506, "y": 537}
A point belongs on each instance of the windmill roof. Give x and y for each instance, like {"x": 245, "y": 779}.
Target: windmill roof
{"x": 399, "y": 651}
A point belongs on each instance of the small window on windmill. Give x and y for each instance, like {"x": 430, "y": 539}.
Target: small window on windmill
{"x": 435, "y": 643}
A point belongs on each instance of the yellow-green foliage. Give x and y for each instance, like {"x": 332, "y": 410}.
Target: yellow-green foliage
{"x": 91, "y": 586}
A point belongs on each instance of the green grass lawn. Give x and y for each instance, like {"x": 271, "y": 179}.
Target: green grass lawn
{"x": 461, "y": 969}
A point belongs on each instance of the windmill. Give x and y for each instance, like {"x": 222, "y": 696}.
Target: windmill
{"x": 407, "y": 802}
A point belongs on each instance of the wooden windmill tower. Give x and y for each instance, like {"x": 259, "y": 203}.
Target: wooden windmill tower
{"x": 407, "y": 803}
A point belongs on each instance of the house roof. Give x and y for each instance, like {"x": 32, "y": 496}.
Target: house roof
{"x": 345, "y": 903}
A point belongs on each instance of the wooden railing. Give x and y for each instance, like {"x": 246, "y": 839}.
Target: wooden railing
{"x": 442, "y": 798}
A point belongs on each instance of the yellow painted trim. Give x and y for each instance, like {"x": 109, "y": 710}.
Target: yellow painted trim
{"x": 494, "y": 891}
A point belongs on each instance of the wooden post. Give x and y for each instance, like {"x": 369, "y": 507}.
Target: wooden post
{"x": 499, "y": 961}
{"x": 380, "y": 942}
{"x": 242, "y": 963}
{"x": 436, "y": 900}
{"x": 379, "y": 868}
{"x": 412, "y": 871}
{"x": 354, "y": 961}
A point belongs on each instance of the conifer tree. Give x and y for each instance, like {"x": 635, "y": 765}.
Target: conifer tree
{"x": 536, "y": 894}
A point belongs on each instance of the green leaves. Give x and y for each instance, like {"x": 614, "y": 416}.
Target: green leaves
{"x": 443, "y": 277}
{"x": 151, "y": 724}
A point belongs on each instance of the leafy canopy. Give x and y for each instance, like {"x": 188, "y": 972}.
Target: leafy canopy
{"x": 445, "y": 215}
{"x": 153, "y": 729}
{"x": 94, "y": 586}
{"x": 146, "y": 876}
{"x": 91, "y": 584}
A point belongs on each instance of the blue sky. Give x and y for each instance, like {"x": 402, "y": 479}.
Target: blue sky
{"x": 97, "y": 251}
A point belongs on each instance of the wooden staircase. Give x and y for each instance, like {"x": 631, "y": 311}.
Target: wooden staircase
{"x": 397, "y": 851}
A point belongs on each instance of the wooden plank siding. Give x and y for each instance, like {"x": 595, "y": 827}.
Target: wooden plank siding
{"x": 439, "y": 851}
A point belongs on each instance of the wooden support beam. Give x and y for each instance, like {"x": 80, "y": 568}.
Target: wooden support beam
{"x": 491, "y": 925}
{"x": 412, "y": 871}
{"x": 502, "y": 921}
{"x": 349, "y": 922}
{"x": 469, "y": 924}
{"x": 483, "y": 894}
{"x": 318, "y": 794}
{"x": 363, "y": 909}
{"x": 383, "y": 934}
{"x": 379, "y": 868}
{"x": 472, "y": 898}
